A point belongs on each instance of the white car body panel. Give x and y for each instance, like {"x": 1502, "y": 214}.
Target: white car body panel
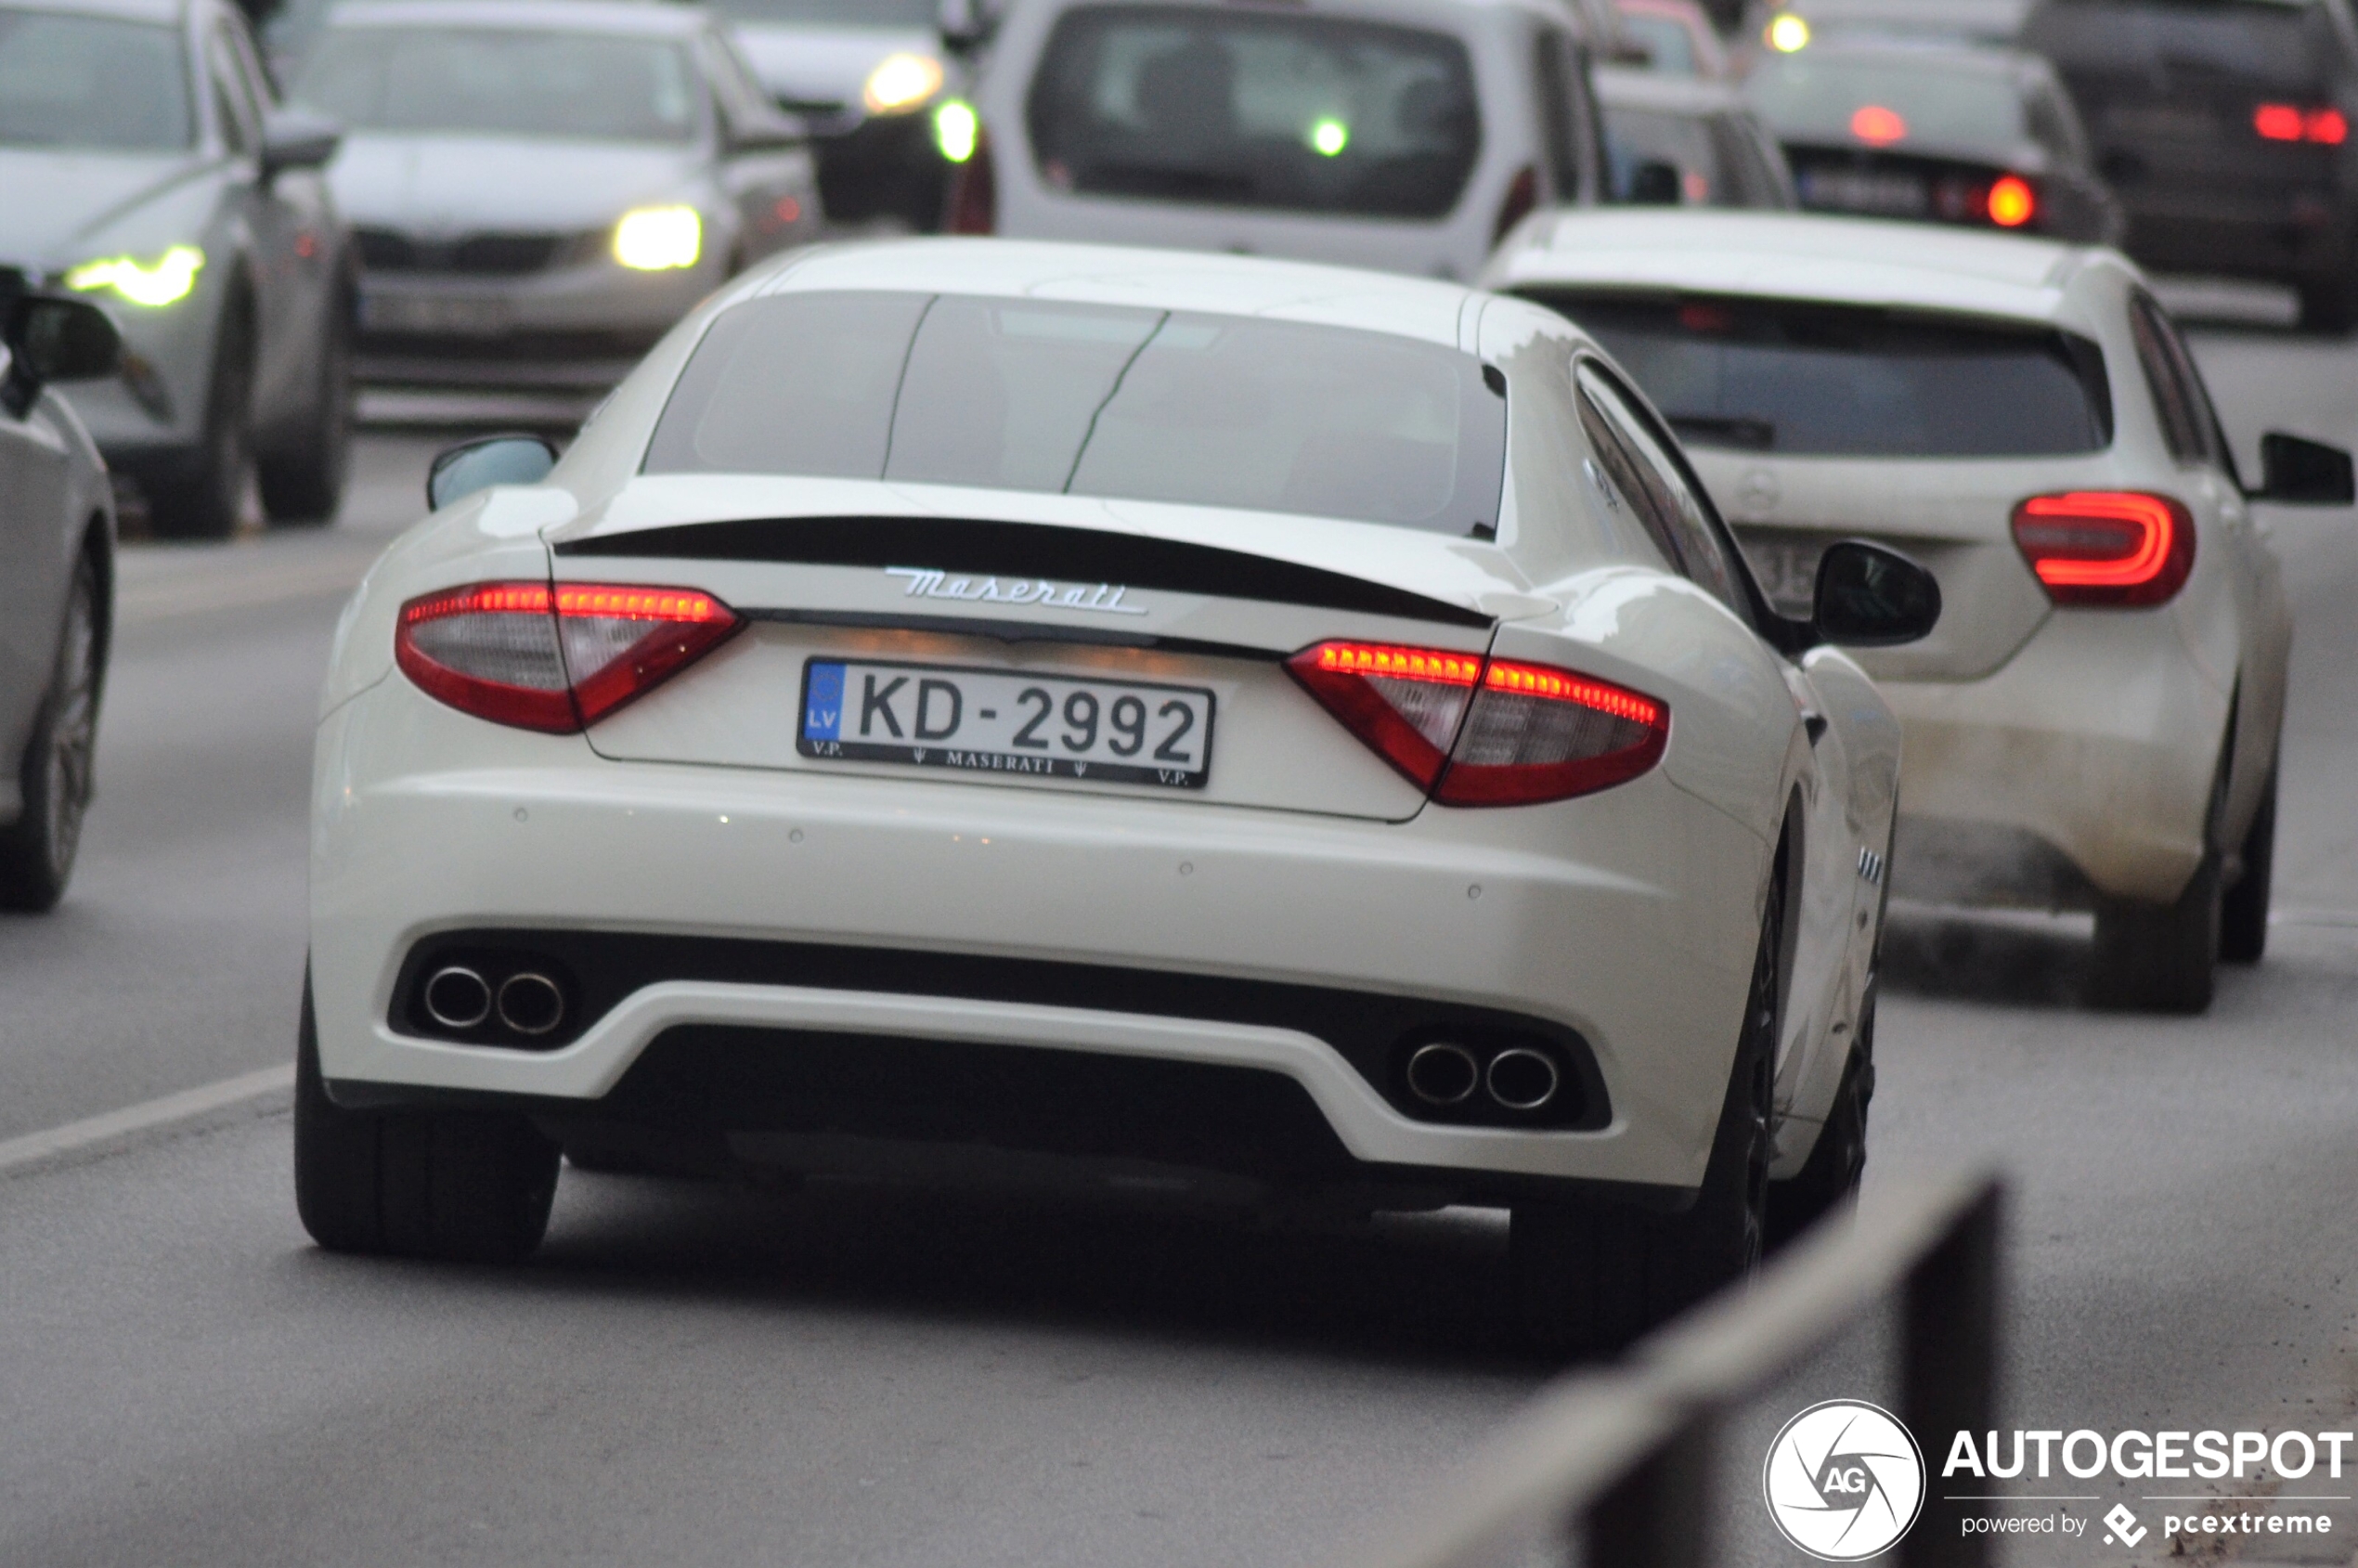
{"x": 1629, "y": 915}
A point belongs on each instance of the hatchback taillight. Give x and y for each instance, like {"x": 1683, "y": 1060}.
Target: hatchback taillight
{"x": 2118, "y": 548}
{"x": 1483, "y": 731}
{"x": 555, "y": 657}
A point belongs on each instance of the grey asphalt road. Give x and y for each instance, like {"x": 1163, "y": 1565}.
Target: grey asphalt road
{"x": 836, "y": 1376}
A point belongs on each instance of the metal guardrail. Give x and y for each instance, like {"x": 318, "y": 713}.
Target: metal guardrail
{"x": 1616, "y": 1466}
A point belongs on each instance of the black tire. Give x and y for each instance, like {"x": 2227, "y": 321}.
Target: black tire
{"x": 1591, "y": 1279}
{"x": 1829, "y": 1179}
{"x": 466, "y": 1186}
{"x": 2159, "y": 958}
{"x": 37, "y": 849}
{"x": 301, "y": 481}
{"x": 200, "y": 497}
{"x": 2242, "y": 914}
{"x": 2329, "y": 305}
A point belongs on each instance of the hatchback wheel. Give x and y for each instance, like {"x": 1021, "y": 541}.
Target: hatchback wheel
{"x": 199, "y": 498}
{"x": 2243, "y": 916}
{"x": 2159, "y": 958}
{"x": 302, "y": 478}
{"x": 467, "y": 1186}
{"x": 1589, "y": 1278}
{"x": 37, "y": 851}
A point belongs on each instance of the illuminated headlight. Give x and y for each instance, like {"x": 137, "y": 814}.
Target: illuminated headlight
{"x": 901, "y": 83}
{"x": 958, "y": 130}
{"x": 165, "y": 281}
{"x": 1788, "y": 34}
{"x": 658, "y": 238}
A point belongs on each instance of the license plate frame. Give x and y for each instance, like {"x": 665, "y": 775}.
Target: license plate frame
{"x": 824, "y": 714}
{"x": 456, "y": 316}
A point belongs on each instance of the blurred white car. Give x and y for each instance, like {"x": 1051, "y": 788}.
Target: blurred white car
{"x": 1143, "y": 719}
{"x": 1683, "y": 142}
{"x": 540, "y": 189}
{"x": 2095, "y": 722}
{"x": 1403, "y": 135}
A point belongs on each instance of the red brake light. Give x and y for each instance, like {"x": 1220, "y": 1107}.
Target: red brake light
{"x": 1476, "y": 732}
{"x": 2277, "y": 122}
{"x": 2012, "y": 201}
{"x": 556, "y": 659}
{"x": 2119, "y": 548}
{"x": 2285, "y": 121}
{"x": 1523, "y": 199}
{"x": 2324, "y": 125}
{"x": 974, "y": 192}
{"x": 1878, "y": 126}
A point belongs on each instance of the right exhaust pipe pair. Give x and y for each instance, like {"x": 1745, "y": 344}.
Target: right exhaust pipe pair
{"x": 1447, "y": 1074}
{"x": 528, "y": 1002}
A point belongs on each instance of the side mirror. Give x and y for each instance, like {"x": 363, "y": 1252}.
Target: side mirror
{"x": 772, "y": 132}
{"x": 296, "y": 138}
{"x": 1872, "y": 597}
{"x": 2298, "y": 473}
{"x": 487, "y": 460}
{"x": 965, "y": 25}
{"x": 1655, "y": 184}
{"x": 50, "y": 339}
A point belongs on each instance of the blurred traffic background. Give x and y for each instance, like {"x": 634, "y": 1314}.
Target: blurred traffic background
{"x": 469, "y": 212}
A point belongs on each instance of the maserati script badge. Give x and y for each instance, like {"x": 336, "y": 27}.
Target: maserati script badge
{"x": 924, "y": 582}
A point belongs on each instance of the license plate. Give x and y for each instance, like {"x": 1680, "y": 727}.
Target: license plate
{"x": 456, "y": 316}
{"x": 997, "y": 722}
{"x": 1853, "y": 191}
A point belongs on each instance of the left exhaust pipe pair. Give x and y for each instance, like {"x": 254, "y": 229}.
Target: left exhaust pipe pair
{"x": 1447, "y": 1074}
{"x": 526, "y": 1003}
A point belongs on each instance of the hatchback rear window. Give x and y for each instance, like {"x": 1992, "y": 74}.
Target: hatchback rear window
{"x": 1299, "y": 113}
{"x": 1817, "y": 381}
{"x": 1881, "y": 101}
{"x": 1087, "y": 400}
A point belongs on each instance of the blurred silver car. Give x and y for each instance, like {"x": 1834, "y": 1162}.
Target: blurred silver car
{"x": 57, "y": 585}
{"x": 540, "y": 189}
{"x": 1407, "y": 135}
{"x": 144, "y": 164}
{"x": 1688, "y": 141}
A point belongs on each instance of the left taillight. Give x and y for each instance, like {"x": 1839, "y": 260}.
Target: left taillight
{"x": 1485, "y": 731}
{"x": 553, "y": 658}
{"x": 2124, "y": 549}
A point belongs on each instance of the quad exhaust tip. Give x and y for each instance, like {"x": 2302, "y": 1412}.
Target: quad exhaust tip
{"x": 1443, "y": 1074}
{"x": 531, "y": 1004}
{"x": 458, "y": 998}
{"x": 1522, "y": 1079}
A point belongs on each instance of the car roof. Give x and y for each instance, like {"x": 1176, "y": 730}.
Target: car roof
{"x": 1796, "y": 255}
{"x": 626, "y": 17}
{"x": 1629, "y": 87}
{"x": 1426, "y": 309}
{"x": 1962, "y": 55}
{"x": 127, "y": 10}
{"x": 1407, "y": 12}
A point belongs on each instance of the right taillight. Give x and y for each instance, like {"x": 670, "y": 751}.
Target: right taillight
{"x": 557, "y": 657}
{"x": 2118, "y": 548}
{"x": 1481, "y": 732}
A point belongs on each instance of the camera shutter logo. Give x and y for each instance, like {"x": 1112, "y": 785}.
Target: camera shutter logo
{"x": 1843, "y": 1480}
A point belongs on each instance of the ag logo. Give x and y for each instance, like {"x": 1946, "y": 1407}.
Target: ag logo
{"x": 1843, "y": 1480}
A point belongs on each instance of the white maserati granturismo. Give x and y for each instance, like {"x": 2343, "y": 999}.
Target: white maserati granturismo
{"x": 968, "y": 711}
{"x": 2095, "y": 724}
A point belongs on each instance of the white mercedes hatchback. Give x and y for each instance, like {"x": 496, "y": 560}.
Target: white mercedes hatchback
{"x": 2094, "y": 724}
{"x": 970, "y": 711}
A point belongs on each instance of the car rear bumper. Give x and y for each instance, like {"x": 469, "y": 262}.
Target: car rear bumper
{"x": 1625, "y": 925}
{"x": 2299, "y": 241}
{"x": 2082, "y": 769}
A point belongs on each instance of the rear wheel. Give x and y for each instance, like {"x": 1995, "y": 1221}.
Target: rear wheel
{"x": 37, "y": 849}
{"x": 2328, "y": 305}
{"x": 1589, "y": 1278}
{"x": 469, "y": 1186}
{"x": 302, "y": 480}
{"x": 201, "y": 497}
{"x": 2159, "y": 958}
{"x": 2243, "y": 916}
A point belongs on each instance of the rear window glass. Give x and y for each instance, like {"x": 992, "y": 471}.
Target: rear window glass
{"x": 1145, "y": 405}
{"x": 2258, "y": 42}
{"x": 1301, "y": 113}
{"x": 1877, "y": 100}
{"x": 91, "y": 82}
{"x": 1820, "y": 380}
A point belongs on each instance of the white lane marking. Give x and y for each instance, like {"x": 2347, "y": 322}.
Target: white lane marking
{"x": 146, "y": 1117}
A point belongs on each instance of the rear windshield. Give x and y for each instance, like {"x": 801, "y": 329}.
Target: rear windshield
{"x": 1145, "y": 405}
{"x": 1817, "y": 381}
{"x": 482, "y": 82}
{"x": 1879, "y": 100}
{"x": 924, "y": 15}
{"x": 1301, "y": 113}
{"x": 91, "y": 82}
{"x": 2262, "y": 43}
